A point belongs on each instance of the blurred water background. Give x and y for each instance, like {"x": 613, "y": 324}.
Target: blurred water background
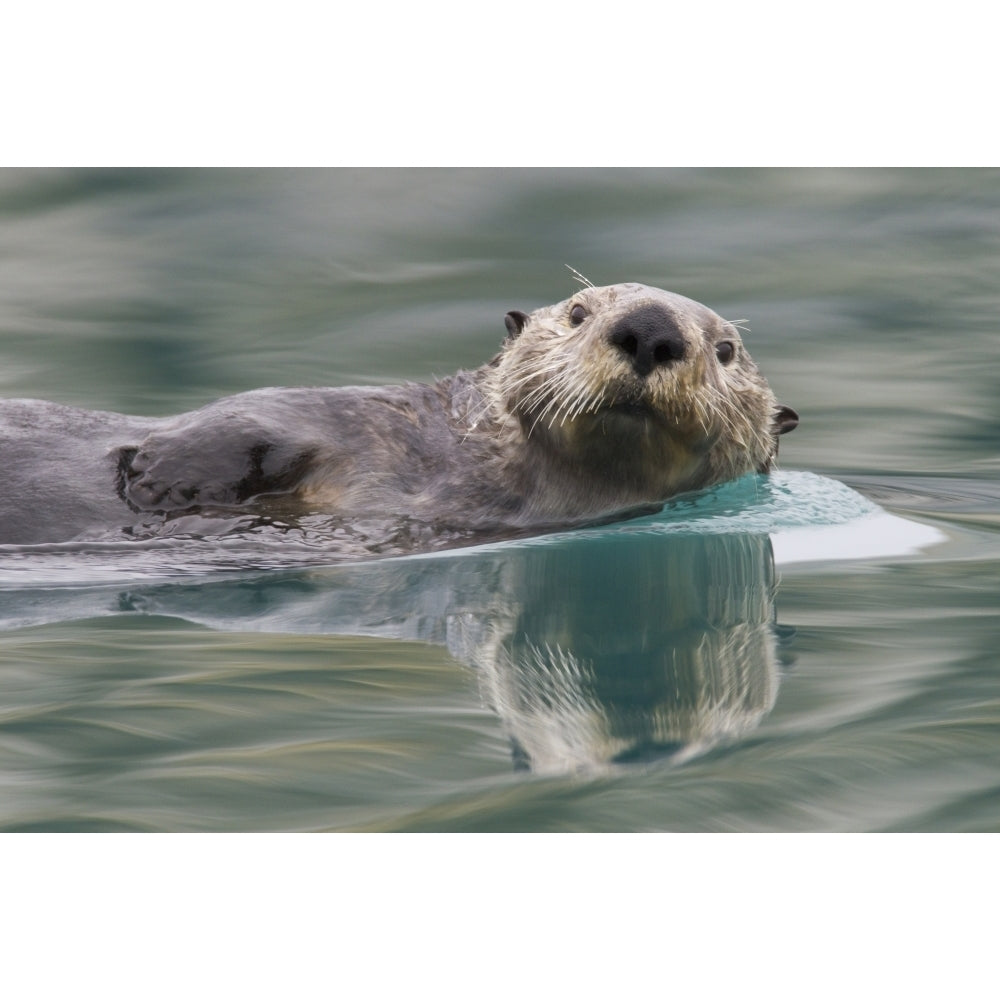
{"x": 637, "y": 679}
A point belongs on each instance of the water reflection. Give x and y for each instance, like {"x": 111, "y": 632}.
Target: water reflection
{"x": 645, "y": 648}
{"x": 591, "y": 649}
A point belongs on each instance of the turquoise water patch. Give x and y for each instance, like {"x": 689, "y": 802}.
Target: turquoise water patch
{"x": 765, "y": 504}
{"x": 810, "y": 518}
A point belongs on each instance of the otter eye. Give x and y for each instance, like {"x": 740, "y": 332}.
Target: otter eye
{"x": 577, "y": 315}
{"x": 725, "y": 351}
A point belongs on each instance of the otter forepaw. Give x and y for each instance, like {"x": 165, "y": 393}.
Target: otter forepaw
{"x": 149, "y": 484}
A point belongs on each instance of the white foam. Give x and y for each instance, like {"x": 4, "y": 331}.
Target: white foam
{"x": 874, "y": 536}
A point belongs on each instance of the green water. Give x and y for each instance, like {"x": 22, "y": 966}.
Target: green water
{"x": 638, "y": 679}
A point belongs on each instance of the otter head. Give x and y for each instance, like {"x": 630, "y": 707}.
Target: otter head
{"x": 654, "y": 388}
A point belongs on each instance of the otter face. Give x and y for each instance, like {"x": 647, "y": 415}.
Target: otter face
{"x": 636, "y": 371}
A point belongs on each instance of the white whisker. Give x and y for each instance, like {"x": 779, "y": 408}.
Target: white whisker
{"x": 586, "y": 282}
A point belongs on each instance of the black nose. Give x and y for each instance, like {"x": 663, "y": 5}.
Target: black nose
{"x": 650, "y": 337}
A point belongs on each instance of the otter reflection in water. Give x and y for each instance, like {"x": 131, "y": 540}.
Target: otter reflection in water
{"x": 591, "y": 647}
{"x": 628, "y": 649}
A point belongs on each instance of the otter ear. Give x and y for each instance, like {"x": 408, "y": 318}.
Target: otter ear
{"x": 514, "y": 321}
{"x": 785, "y": 420}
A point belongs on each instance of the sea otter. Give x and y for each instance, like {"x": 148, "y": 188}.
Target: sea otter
{"x": 599, "y": 407}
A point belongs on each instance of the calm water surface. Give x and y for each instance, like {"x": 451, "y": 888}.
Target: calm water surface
{"x": 640, "y": 677}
